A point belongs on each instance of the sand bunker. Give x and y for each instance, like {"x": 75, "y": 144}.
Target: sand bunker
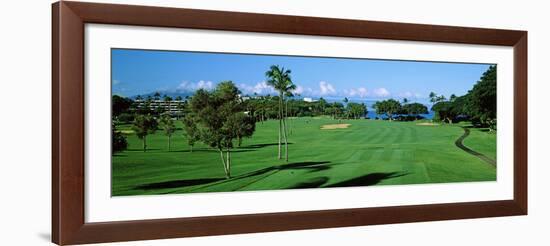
{"x": 427, "y": 124}
{"x": 335, "y": 126}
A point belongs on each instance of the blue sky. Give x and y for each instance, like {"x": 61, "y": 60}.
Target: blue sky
{"x": 138, "y": 72}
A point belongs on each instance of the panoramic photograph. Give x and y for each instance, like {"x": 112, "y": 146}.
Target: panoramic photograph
{"x": 195, "y": 122}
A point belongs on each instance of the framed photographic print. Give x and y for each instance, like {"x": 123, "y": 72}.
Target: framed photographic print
{"x": 177, "y": 122}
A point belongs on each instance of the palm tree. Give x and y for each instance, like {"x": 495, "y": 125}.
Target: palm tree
{"x": 452, "y": 98}
{"x": 167, "y": 103}
{"x": 279, "y": 79}
{"x": 433, "y": 97}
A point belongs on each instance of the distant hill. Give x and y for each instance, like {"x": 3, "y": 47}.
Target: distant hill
{"x": 172, "y": 94}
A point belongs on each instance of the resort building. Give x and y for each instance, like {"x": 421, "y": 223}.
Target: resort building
{"x": 173, "y": 107}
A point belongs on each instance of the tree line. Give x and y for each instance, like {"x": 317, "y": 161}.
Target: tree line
{"x": 479, "y": 105}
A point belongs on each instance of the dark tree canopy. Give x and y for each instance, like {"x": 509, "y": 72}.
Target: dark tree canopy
{"x": 120, "y": 104}
{"x": 118, "y": 140}
{"x": 478, "y": 105}
{"x": 389, "y": 107}
{"x": 482, "y": 103}
{"x": 356, "y": 110}
{"x": 444, "y": 111}
{"x": 414, "y": 109}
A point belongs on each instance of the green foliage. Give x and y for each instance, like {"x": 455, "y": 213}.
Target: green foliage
{"x": 388, "y": 107}
{"x": 482, "y": 103}
{"x": 125, "y": 117}
{"x": 356, "y": 110}
{"x": 414, "y": 109}
{"x": 168, "y": 126}
{"x": 143, "y": 126}
{"x": 191, "y": 131}
{"x": 279, "y": 78}
{"x": 118, "y": 140}
{"x": 444, "y": 111}
{"x": 217, "y": 119}
{"x": 479, "y": 104}
{"x": 120, "y": 105}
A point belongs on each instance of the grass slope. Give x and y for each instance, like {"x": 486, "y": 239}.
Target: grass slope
{"x": 368, "y": 152}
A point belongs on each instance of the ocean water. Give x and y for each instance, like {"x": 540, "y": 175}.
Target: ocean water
{"x": 371, "y": 114}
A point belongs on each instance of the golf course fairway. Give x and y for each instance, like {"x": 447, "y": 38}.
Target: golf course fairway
{"x": 323, "y": 152}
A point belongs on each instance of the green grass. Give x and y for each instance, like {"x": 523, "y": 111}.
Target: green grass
{"x": 369, "y": 152}
{"x": 483, "y": 142}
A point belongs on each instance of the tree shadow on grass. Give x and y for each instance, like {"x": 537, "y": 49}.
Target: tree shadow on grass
{"x": 262, "y": 145}
{"x": 366, "y": 180}
{"x": 177, "y": 183}
{"x": 308, "y": 165}
{"x": 141, "y": 150}
{"x": 312, "y": 183}
{"x": 209, "y": 150}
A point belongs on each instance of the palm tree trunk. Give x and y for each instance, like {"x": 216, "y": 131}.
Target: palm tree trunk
{"x": 286, "y": 116}
{"x": 285, "y": 136}
{"x": 280, "y": 123}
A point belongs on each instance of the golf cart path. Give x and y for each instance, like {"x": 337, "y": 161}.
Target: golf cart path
{"x": 459, "y": 143}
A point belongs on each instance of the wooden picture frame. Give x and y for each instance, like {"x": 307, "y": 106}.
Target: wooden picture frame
{"x": 68, "y": 223}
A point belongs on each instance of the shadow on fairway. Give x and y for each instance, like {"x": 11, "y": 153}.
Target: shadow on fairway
{"x": 307, "y": 165}
{"x": 313, "y": 183}
{"x": 177, "y": 183}
{"x": 366, "y": 180}
{"x": 209, "y": 150}
{"x": 141, "y": 150}
{"x": 258, "y": 146}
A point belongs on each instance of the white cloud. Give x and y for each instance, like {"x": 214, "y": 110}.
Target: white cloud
{"x": 261, "y": 88}
{"x": 380, "y": 92}
{"x": 299, "y": 90}
{"x": 303, "y": 91}
{"x": 190, "y": 86}
{"x": 406, "y": 94}
{"x": 205, "y": 85}
{"x": 326, "y": 89}
{"x": 410, "y": 95}
{"x": 361, "y": 92}
{"x": 116, "y": 81}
